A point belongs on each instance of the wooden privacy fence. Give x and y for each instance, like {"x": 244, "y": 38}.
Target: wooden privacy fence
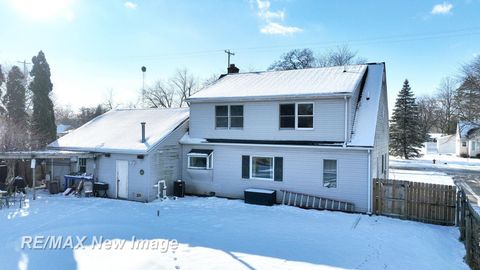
{"x": 424, "y": 202}
{"x": 468, "y": 221}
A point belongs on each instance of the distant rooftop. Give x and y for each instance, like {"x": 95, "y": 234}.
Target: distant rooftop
{"x": 311, "y": 82}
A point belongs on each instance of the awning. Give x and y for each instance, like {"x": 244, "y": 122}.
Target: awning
{"x": 205, "y": 152}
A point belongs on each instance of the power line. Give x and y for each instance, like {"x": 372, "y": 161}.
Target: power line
{"x": 401, "y": 38}
{"x": 326, "y": 44}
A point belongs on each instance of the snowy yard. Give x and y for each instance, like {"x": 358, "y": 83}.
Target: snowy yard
{"x": 424, "y": 170}
{"x": 222, "y": 234}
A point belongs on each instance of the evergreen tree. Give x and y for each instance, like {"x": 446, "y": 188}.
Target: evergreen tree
{"x": 2, "y": 80}
{"x": 44, "y": 129}
{"x": 405, "y": 131}
{"x": 15, "y": 96}
{"x": 16, "y": 136}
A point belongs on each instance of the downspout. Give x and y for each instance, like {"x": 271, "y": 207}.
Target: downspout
{"x": 346, "y": 122}
{"x": 369, "y": 174}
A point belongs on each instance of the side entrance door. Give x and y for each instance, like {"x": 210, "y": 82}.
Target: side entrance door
{"x": 122, "y": 179}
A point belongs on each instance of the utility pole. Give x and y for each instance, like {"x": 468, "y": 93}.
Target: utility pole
{"x": 229, "y": 53}
{"x": 25, "y": 71}
{"x": 144, "y": 69}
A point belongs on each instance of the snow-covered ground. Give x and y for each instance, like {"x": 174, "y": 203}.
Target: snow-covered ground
{"x": 221, "y": 234}
{"x": 424, "y": 170}
{"x": 421, "y": 176}
{"x": 442, "y": 162}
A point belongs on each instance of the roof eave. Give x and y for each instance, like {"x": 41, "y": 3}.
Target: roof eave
{"x": 269, "y": 98}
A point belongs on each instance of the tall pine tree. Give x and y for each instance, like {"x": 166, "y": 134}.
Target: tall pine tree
{"x": 17, "y": 128}
{"x": 405, "y": 131}
{"x": 2, "y": 80}
{"x": 43, "y": 119}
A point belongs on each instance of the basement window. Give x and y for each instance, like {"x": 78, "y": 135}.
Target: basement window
{"x": 201, "y": 159}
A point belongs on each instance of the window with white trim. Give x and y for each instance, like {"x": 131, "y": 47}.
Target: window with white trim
{"x": 229, "y": 116}
{"x": 200, "y": 159}
{"x": 262, "y": 168}
{"x": 330, "y": 173}
{"x": 296, "y": 115}
{"x": 82, "y": 165}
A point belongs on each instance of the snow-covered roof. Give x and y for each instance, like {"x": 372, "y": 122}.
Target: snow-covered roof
{"x": 312, "y": 82}
{"x": 465, "y": 128}
{"x": 367, "y": 109}
{"x": 119, "y": 131}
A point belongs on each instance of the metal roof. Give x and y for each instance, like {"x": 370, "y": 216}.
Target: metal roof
{"x": 288, "y": 84}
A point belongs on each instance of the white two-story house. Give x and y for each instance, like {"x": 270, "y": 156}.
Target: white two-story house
{"x": 318, "y": 131}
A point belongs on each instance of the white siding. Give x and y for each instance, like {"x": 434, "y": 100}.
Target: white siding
{"x": 302, "y": 172}
{"x": 106, "y": 172}
{"x": 381, "y": 137}
{"x": 165, "y": 162}
{"x": 261, "y": 122}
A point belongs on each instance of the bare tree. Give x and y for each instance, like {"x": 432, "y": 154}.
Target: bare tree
{"x": 110, "y": 103}
{"x": 295, "y": 59}
{"x": 159, "y": 96}
{"x": 210, "y": 80}
{"x": 446, "y": 109}
{"x": 467, "y": 96}
{"x": 304, "y": 58}
{"x": 427, "y": 115}
{"x": 184, "y": 84}
{"x": 340, "y": 56}
{"x": 173, "y": 92}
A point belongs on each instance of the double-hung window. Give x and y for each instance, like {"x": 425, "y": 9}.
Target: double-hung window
{"x": 262, "y": 168}
{"x": 229, "y": 116}
{"x": 296, "y": 115}
{"x": 330, "y": 173}
{"x": 201, "y": 159}
{"x": 82, "y": 165}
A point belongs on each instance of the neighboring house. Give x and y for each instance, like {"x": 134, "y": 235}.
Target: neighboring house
{"x": 446, "y": 144}
{"x": 468, "y": 139}
{"x": 129, "y": 160}
{"x": 62, "y": 130}
{"x": 319, "y": 131}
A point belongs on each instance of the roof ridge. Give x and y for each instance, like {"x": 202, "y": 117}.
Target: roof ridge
{"x": 292, "y": 70}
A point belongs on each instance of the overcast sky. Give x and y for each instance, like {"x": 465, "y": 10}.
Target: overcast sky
{"x": 93, "y": 46}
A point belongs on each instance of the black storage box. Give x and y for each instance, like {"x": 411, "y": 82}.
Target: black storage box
{"x": 260, "y": 196}
{"x": 179, "y": 188}
{"x": 100, "y": 189}
{"x": 53, "y": 187}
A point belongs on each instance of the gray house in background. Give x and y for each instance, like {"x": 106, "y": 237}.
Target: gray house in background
{"x": 468, "y": 139}
{"x": 319, "y": 131}
{"x": 129, "y": 161}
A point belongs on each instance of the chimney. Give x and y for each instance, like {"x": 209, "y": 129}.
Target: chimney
{"x": 232, "y": 69}
{"x": 143, "y": 131}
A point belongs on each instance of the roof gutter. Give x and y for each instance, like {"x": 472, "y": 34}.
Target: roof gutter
{"x": 362, "y": 148}
{"x": 269, "y": 98}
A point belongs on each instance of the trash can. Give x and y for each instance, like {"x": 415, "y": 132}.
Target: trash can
{"x": 179, "y": 188}
{"x": 53, "y": 187}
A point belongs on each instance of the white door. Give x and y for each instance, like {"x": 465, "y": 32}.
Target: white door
{"x": 122, "y": 179}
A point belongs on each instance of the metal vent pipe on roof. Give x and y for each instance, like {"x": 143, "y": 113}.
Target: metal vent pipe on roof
{"x": 143, "y": 131}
